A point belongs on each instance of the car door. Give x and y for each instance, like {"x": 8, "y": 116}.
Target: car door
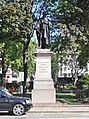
{"x": 4, "y": 102}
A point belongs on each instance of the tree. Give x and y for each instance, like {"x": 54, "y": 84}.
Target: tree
{"x": 71, "y": 24}
{"x": 11, "y": 54}
{"x": 16, "y": 23}
{"x": 15, "y": 20}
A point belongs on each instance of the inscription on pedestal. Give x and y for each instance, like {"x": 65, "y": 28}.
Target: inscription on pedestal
{"x": 43, "y": 69}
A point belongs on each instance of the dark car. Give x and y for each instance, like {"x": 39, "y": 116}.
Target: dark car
{"x": 12, "y": 104}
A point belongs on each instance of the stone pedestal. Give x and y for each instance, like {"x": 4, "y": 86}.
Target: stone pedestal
{"x": 43, "y": 91}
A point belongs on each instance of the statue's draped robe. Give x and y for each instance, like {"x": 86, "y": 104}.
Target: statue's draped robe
{"x": 43, "y": 27}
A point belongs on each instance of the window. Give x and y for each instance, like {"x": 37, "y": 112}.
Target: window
{"x": 86, "y": 74}
{"x": 65, "y": 74}
{"x": 61, "y": 73}
{"x": 8, "y": 71}
{"x": 87, "y": 69}
{"x": 64, "y": 68}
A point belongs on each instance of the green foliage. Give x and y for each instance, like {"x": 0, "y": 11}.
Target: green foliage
{"x": 84, "y": 55}
{"x": 16, "y": 24}
{"x": 71, "y": 20}
{"x": 70, "y": 99}
{"x": 65, "y": 95}
{"x": 12, "y": 55}
{"x": 84, "y": 83}
{"x": 71, "y": 86}
{"x": 31, "y": 58}
{"x": 54, "y": 66}
{"x": 15, "y": 19}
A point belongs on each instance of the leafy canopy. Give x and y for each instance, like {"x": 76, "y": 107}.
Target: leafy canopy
{"x": 15, "y": 19}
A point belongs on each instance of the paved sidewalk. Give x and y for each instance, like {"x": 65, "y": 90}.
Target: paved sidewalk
{"x": 57, "y": 108}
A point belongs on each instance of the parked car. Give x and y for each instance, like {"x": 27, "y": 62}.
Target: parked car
{"x": 12, "y": 104}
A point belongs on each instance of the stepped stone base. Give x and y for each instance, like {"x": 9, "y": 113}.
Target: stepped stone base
{"x": 48, "y": 105}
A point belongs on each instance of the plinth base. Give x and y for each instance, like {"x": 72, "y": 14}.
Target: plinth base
{"x": 43, "y": 90}
{"x": 43, "y": 96}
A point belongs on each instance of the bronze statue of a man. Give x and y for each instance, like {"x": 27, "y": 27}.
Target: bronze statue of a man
{"x": 43, "y": 27}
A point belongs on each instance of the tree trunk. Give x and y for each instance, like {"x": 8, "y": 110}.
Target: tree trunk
{"x": 3, "y": 71}
{"x": 25, "y": 60}
{"x": 76, "y": 79}
{"x": 25, "y": 66}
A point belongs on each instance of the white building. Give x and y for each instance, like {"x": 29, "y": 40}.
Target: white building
{"x": 67, "y": 71}
{"x": 12, "y": 76}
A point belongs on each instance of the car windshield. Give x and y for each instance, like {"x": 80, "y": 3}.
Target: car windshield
{"x": 5, "y": 92}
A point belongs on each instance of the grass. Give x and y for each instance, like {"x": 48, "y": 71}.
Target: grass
{"x": 26, "y": 95}
{"x": 70, "y": 98}
{"x": 70, "y": 101}
{"x": 65, "y": 95}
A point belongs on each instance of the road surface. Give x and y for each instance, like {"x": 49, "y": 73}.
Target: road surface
{"x": 46, "y": 116}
